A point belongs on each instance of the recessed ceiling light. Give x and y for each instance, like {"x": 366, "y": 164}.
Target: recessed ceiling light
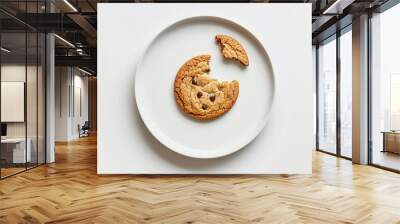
{"x": 338, "y": 6}
{"x": 70, "y": 5}
{"x": 5, "y": 50}
{"x": 84, "y": 71}
{"x": 64, "y": 40}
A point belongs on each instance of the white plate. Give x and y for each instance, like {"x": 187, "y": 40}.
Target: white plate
{"x": 155, "y": 77}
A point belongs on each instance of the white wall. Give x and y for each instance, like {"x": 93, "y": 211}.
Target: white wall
{"x": 69, "y": 82}
{"x": 61, "y": 103}
{"x": 79, "y": 117}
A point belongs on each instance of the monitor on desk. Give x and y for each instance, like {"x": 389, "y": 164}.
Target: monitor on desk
{"x": 3, "y": 130}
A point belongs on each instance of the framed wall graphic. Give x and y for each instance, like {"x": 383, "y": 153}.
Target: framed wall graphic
{"x": 12, "y": 101}
{"x": 144, "y": 131}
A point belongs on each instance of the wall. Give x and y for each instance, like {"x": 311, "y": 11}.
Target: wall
{"x": 62, "y": 80}
{"x": 80, "y": 112}
{"x": 71, "y": 102}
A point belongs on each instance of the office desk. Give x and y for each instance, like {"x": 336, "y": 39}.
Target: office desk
{"x": 391, "y": 141}
{"x": 13, "y": 150}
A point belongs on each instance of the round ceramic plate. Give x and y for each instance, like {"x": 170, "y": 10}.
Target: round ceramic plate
{"x": 154, "y": 88}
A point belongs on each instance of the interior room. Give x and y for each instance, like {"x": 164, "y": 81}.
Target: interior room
{"x": 180, "y": 111}
{"x": 22, "y": 103}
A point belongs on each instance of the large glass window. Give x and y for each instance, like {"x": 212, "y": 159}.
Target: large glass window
{"x": 327, "y": 96}
{"x": 346, "y": 93}
{"x": 385, "y": 89}
{"x": 334, "y": 50}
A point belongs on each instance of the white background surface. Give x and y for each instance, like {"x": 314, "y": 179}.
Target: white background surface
{"x": 124, "y": 143}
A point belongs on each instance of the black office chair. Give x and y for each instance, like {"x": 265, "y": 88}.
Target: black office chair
{"x": 84, "y": 130}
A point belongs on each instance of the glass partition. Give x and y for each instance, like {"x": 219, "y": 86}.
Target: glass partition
{"x": 41, "y": 97}
{"x": 23, "y": 89}
{"x": 32, "y": 95}
{"x": 14, "y": 155}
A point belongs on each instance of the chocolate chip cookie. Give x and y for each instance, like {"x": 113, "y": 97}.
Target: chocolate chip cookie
{"x": 232, "y": 49}
{"x": 201, "y": 96}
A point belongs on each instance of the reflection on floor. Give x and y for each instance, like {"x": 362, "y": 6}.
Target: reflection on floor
{"x": 10, "y": 169}
{"x": 346, "y": 152}
{"x": 70, "y": 191}
{"x": 386, "y": 159}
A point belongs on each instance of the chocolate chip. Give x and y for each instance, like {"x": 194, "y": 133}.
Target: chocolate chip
{"x": 194, "y": 81}
{"x": 205, "y": 107}
{"x": 212, "y": 97}
{"x": 199, "y": 94}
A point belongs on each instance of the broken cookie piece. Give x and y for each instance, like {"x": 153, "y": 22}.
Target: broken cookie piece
{"x": 232, "y": 49}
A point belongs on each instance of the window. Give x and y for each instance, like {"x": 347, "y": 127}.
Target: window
{"x": 385, "y": 89}
{"x": 333, "y": 77}
{"x": 327, "y": 96}
{"x": 346, "y": 94}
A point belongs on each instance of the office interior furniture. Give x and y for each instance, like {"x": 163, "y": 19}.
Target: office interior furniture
{"x": 84, "y": 129}
{"x": 13, "y": 150}
{"x": 391, "y": 141}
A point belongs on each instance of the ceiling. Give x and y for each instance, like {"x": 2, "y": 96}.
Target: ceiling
{"x": 76, "y": 21}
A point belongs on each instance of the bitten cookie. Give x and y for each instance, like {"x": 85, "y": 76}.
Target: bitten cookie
{"x": 201, "y": 96}
{"x": 232, "y": 49}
